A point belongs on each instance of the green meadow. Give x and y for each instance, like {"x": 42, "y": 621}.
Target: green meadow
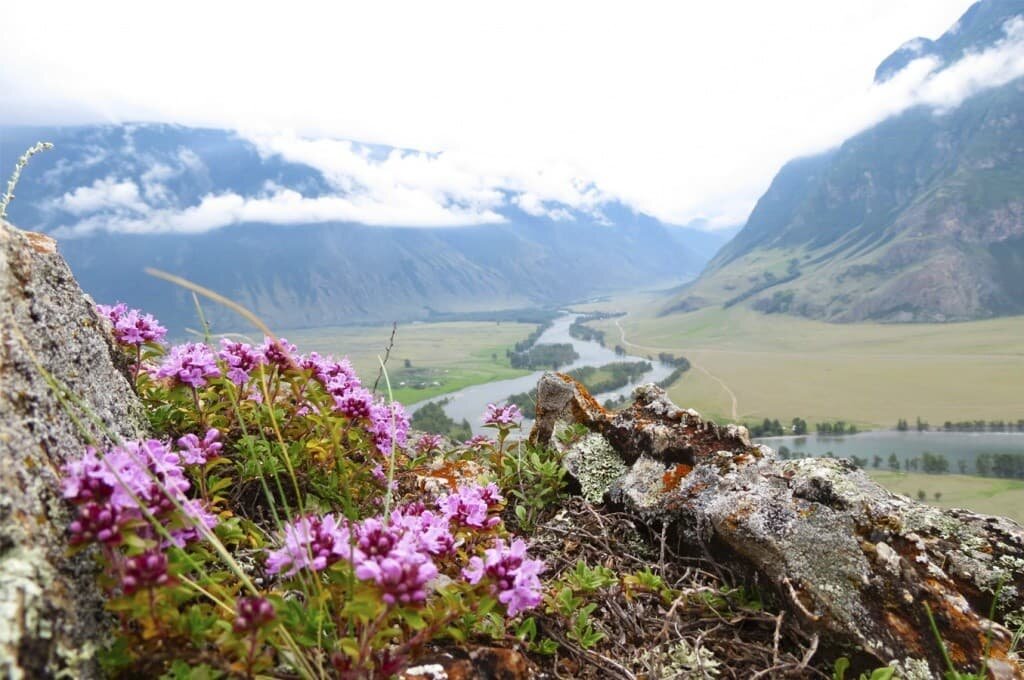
{"x": 428, "y": 359}
{"x": 750, "y": 366}
{"x": 986, "y": 495}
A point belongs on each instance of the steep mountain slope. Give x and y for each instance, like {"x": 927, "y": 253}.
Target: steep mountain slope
{"x": 104, "y": 189}
{"x": 918, "y": 218}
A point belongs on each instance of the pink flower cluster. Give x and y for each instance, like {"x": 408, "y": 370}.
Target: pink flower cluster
{"x": 196, "y": 452}
{"x": 241, "y": 359}
{"x": 470, "y": 506}
{"x": 502, "y": 417}
{"x": 429, "y": 442}
{"x": 513, "y": 577}
{"x": 388, "y": 423}
{"x": 132, "y": 328}
{"x": 398, "y": 555}
{"x": 117, "y": 487}
{"x": 252, "y": 613}
{"x": 189, "y": 364}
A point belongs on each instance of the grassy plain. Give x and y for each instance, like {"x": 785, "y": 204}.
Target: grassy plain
{"x": 774, "y": 366}
{"x": 451, "y": 354}
{"x": 981, "y": 494}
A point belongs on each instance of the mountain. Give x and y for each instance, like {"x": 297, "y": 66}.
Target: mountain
{"x": 919, "y": 218}
{"x": 262, "y": 228}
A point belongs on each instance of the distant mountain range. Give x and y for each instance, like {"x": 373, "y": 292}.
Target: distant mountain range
{"x": 104, "y": 187}
{"x": 919, "y": 218}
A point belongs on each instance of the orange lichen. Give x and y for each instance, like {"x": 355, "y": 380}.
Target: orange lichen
{"x": 674, "y": 475}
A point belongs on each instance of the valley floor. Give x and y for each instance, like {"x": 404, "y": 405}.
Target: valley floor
{"x": 981, "y": 494}
{"x": 442, "y": 357}
{"x": 750, "y": 366}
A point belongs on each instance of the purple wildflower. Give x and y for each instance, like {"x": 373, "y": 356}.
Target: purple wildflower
{"x": 189, "y": 364}
{"x": 279, "y": 352}
{"x": 96, "y": 522}
{"x": 429, "y": 442}
{"x": 112, "y": 312}
{"x": 252, "y": 613}
{"x": 389, "y": 426}
{"x": 196, "y": 452}
{"x": 312, "y": 543}
{"x": 513, "y": 577}
{"x": 241, "y": 359}
{"x": 337, "y": 377}
{"x": 145, "y": 571}
{"x": 355, "y": 404}
{"x": 197, "y": 512}
{"x": 430, "y": 529}
{"x": 469, "y": 506}
{"x": 391, "y": 557}
{"x": 131, "y": 327}
{"x": 502, "y": 417}
{"x": 86, "y": 479}
{"x": 479, "y": 443}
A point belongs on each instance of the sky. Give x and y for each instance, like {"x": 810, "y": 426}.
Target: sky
{"x": 681, "y": 110}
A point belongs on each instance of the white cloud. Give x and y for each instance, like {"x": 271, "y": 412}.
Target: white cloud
{"x": 680, "y": 110}
{"x": 283, "y": 207}
{"x": 106, "y": 194}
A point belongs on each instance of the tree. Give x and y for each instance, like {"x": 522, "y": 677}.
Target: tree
{"x": 408, "y": 363}
{"x": 921, "y": 495}
{"x": 799, "y": 426}
{"x": 894, "y": 462}
{"x": 962, "y": 465}
{"x": 902, "y": 425}
{"x": 876, "y": 462}
{"x": 934, "y": 463}
{"x": 937, "y": 495}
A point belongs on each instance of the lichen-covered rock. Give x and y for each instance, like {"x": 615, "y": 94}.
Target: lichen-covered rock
{"x": 858, "y": 566}
{"x": 51, "y": 617}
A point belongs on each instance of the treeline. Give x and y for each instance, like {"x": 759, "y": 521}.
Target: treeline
{"x": 839, "y": 427}
{"x": 620, "y": 373}
{"x": 578, "y": 329}
{"x": 964, "y": 426}
{"x": 432, "y": 418}
{"x": 673, "y": 360}
{"x": 551, "y": 356}
{"x": 524, "y": 345}
{"x": 1002, "y": 465}
{"x": 798, "y": 427}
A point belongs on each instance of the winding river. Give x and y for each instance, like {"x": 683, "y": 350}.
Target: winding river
{"x": 471, "y": 402}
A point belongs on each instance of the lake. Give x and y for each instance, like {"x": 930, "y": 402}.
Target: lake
{"x": 956, "y": 446}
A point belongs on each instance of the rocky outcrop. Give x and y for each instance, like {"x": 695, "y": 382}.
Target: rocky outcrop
{"x": 858, "y": 568}
{"x": 51, "y": 616}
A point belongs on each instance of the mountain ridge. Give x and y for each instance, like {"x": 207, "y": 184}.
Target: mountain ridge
{"x": 918, "y": 218}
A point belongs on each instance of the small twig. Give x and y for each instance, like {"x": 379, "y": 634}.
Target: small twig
{"x": 387, "y": 355}
{"x": 809, "y": 653}
{"x": 798, "y": 603}
{"x": 775, "y": 639}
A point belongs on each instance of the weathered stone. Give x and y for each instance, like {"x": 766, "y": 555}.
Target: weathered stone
{"x": 51, "y": 616}
{"x": 858, "y": 566}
